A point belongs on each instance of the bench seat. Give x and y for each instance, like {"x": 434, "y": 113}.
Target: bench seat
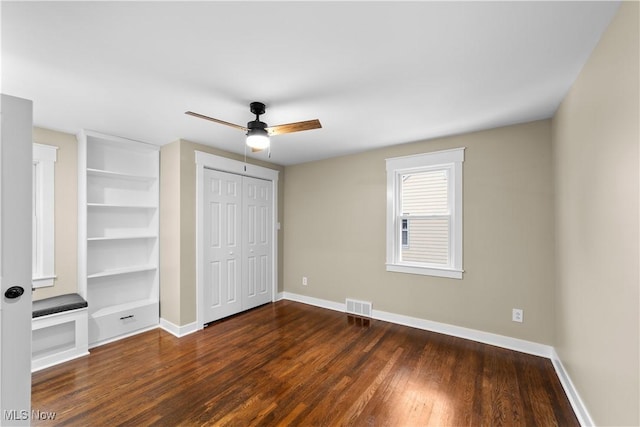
{"x": 59, "y": 330}
{"x": 58, "y": 304}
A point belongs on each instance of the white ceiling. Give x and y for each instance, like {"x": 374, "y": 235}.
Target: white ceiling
{"x": 374, "y": 73}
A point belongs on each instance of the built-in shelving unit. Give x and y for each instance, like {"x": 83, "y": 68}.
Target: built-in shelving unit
{"x": 118, "y": 234}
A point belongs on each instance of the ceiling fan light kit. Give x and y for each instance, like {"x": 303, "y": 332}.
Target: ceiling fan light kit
{"x": 257, "y": 139}
{"x": 257, "y": 132}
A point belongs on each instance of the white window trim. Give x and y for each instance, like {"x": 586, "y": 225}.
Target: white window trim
{"x": 397, "y": 166}
{"x": 44, "y": 158}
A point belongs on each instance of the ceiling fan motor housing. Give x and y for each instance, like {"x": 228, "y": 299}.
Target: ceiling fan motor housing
{"x": 256, "y": 127}
{"x": 257, "y": 108}
{"x": 256, "y": 124}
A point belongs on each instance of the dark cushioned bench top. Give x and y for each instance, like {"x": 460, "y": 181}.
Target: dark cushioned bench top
{"x": 58, "y": 304}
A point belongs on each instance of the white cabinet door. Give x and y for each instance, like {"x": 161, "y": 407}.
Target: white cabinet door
{"x": 15, "y": 260}
{"x": 222, "y": 244}
{"x": 257, "y": 225}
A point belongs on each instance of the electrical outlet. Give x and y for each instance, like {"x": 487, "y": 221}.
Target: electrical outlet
{"x": 517, "y": 315}
{"x": 305, "y": 282}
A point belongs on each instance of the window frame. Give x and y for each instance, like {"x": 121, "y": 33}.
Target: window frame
{"x": 438, "y": 160}
{"x": 43, "y": 240}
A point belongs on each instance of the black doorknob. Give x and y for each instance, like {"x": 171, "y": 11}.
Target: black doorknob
{"x": 14, "y": 292}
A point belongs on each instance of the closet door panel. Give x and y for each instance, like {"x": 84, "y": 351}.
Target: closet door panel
{"x": 257, "y": 200}
{"x": 222, "y": 244}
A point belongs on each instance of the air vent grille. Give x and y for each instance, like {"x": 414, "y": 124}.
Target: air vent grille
{"x": 359, "y": 308}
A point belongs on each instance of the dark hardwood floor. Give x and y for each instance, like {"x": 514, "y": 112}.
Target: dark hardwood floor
{"x": 292, "y": 364}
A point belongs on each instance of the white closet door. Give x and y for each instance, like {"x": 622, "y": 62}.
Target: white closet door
{"x": 222, "y": 244}
{"x": 257, "y": 224}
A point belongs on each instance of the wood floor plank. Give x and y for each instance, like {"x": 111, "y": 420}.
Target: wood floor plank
{"x": 293, "y": 364}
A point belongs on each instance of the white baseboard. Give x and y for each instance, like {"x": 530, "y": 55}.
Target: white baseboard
{"x": 178, "y": 331}
{"x": 323, "y": 303}
{"x": 510, "y": 343}
{"x": 40, "y": 366}
{"x": 442, "y": 328}
{"x": 572, "y": 394}
{"x": 119, "y": 337}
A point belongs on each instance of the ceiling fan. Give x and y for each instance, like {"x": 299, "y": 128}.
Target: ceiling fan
{"x": 258, "y": 132}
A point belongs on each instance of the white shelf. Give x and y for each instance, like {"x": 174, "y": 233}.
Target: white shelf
{"x": 112, "y": 238}
{"x": 119, "y": 206}
{"x": 107, "y": 311}
{"x": 119, "y": 175}
{"x": 118, "y": 236}
{"x": 123, "y": 270}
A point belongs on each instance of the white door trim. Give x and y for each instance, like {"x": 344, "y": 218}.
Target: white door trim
{"x": 211, "y": 161}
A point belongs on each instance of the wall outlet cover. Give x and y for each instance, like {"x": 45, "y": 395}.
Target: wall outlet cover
{"x": 517, "y": 315}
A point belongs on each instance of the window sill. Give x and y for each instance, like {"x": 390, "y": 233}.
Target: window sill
{"x": 426, "y": 271}
{"x": 42, "y": 282}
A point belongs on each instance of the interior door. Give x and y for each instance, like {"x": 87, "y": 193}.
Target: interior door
{"x": 16, "y": 127}
{"x": 222, "y": 252}
{"x": 257, "y": 224}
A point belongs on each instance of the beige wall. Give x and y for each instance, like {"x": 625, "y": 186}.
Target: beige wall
{"x": 596, "y": 137}
{"x": 335, "y": 234}
{"x": 178, "y": 227}
{"x": 65, "y": 211}
{"x": 170, "y": 232}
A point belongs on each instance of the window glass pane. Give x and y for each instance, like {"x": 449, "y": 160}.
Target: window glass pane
{"x": 429, "y": 241}
{"x": 405, "y": 232}
{"x": 424, "y": 193}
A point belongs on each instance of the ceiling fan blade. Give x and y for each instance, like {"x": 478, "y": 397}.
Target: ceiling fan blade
{"x": 294, "y": 127}
{"x": 222, "y": 122}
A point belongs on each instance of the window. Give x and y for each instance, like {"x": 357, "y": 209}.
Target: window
{"x": 424, "y": 214}
{"x": 42, "y": 264}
